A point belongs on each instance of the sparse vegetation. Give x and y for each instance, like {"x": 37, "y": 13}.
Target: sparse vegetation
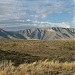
{"x": 62, "y": 50}
{"x": 17, "y": 57}
{"x": 29, "y": 57}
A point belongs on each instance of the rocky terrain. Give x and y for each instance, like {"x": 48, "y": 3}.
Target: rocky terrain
{"x": 39, "y": 33}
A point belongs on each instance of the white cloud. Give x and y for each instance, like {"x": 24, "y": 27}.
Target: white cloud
{"x": 28, "y": 20}
{"x": 64, "y": 25}
{"x": 17, "y": 11}
{"x": 10, "y": 9}
{"x": 50, "y": 24}
{"x": 17, "y": 8}
{"x": 44, "y": 10}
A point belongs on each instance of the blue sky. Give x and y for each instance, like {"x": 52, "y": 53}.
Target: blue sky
{"x": 15, "y": 12}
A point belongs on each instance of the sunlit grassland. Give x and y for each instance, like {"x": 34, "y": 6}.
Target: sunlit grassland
{"x": 63, "y": 50}
{"x": 36, "y": 57}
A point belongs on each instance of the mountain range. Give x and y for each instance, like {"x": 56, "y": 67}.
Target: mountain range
{"x": 39, "y": 33}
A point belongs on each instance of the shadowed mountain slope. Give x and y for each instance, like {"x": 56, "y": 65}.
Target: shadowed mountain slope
{"x": 39, "y": 34}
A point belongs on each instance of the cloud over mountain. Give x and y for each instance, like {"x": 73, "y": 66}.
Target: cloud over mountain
{"x": 12, "y": 11}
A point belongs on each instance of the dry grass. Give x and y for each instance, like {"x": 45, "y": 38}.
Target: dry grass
{"x": 38, "y": 68}
{"x": 32, "y": 45}
{"x": 62, "y": 50}
{"x": 3, "y": 73}
{"x": 60, "y": 55}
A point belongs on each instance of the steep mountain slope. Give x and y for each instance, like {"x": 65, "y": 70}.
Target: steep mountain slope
{"x": 39, "y": 33}
{"x": 6, "y": 35}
